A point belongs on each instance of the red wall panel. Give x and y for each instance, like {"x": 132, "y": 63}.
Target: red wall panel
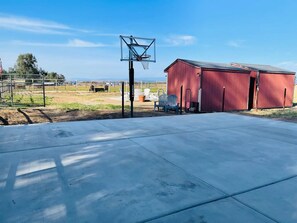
{"x": 236, "y": 87}
{"x": 271, "y": 90}
{"x": 184, "y": 74}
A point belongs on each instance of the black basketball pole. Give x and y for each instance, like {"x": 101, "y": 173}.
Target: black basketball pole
{"x": 131, "y": 79}
{"x": 131, "y": 85}
{"x": 123, "y": 95}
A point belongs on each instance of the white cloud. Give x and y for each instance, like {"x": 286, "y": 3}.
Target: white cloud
{"x": 180, "y": 40}
{"x": 82, "y": 43}
{"x": 236, "y": 43}
{"x": 33, "y": 25}
{"x": 70, "y": 43}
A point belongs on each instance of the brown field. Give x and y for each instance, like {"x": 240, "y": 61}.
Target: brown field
{"x": 77, "y": 103}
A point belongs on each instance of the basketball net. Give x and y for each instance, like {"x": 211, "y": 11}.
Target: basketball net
{"x": 145, "y": 64}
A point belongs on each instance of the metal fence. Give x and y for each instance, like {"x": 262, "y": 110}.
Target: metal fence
{"x": 23, "y": 91}
{"x": 26, "y": 91}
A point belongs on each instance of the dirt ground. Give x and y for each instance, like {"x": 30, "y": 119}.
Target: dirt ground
{"x": 41, "y": 115}
{"x": 55, "y": 112}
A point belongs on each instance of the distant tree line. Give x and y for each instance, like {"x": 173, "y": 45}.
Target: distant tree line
{"x": 26, "y": 67}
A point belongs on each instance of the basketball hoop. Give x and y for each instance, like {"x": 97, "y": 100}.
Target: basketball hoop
{"x": 139, "y": 50}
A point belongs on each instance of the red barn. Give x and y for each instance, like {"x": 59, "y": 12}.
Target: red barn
{"x": 228, "y": 87}
{"x": 270, "y": 87}
{"x": 211, "y": 86}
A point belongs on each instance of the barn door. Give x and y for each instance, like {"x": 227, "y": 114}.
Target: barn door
{"x": 251, "y": 93}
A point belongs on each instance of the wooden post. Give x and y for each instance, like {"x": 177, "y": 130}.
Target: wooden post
{"x": 285, "y": 95}
{"x": 223, "y": 100}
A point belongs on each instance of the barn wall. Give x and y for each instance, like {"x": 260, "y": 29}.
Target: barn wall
{"x": 271, "y": 90}
{"x": 236, "y": 90}
{"x": 184, "y": 74}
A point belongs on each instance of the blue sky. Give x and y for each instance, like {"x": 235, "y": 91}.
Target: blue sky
{"x": 80, "y": 38}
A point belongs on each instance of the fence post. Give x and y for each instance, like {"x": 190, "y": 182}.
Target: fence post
{"x": 43, "y": 90}
{"x": 11, "y": 92}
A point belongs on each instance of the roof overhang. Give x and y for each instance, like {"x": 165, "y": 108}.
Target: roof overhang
{"x": 180, "y": 60}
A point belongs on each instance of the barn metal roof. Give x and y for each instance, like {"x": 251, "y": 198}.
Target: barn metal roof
{"x": 263, "y": 68}
{"x": 209, "y": 65}
{"x": 243, "y": 67}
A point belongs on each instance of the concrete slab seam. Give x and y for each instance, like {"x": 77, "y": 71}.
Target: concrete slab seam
{"x": 222, "y": 198}
{"x": 256, "y": 210}
{"x": 264, "y": 185}
{"x": 226, "y": 196}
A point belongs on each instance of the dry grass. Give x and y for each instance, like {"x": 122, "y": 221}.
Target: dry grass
{"x": 73, "y": 105}
{"x": 76, "y": 105}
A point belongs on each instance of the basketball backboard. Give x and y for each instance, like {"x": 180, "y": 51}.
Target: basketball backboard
{"x": 138, "y": 49}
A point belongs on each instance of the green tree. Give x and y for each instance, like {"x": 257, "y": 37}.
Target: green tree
{"x": 26, "y": 64}
{"x": 61, "y": 78}
{"x": 55, "y": 76}
{"x": 3, "y": 75}
{"x": 43, "y": 72}
{"x": 26, "y": 67}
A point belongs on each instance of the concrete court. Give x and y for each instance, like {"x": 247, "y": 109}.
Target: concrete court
{"x": 205, "y": 168}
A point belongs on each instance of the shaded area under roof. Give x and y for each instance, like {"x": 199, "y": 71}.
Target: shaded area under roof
{"x": 209, "y": 65}
{"x": 264, "y": 68}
